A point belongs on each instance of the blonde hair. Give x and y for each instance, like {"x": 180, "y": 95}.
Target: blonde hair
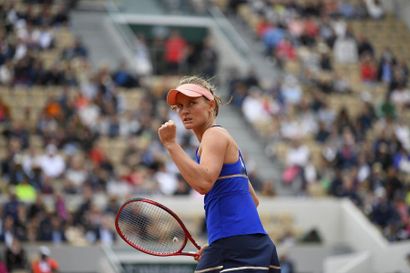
{"x": 205, "y": 84}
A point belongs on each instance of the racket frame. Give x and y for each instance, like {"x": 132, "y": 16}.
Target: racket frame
{"x": 187, "y": 236}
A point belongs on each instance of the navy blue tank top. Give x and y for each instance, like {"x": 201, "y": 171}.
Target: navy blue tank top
{"x": 229, "y": 207}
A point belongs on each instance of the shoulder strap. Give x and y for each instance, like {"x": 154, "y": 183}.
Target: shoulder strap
{"x": 242, "y": 162}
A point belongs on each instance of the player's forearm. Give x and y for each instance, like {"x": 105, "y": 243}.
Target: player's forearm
{"x": 194, "y": 174}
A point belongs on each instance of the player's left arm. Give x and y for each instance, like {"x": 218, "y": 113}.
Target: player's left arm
{"x": 253, "y": 193}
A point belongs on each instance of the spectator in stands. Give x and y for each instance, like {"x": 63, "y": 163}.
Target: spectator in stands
{"x": 44, "y": 264}
{"x": 374, "y": 9}
{"x": 386, "y": 65}
{"x": 383, "y": 213}
{"x": 51, "y": 229}
{"x": 61, "y": 16}
{"x": 253, "y": 108}
{"x": 104, "y": 233}
{"x": 52, "y": 163}
{"x": 386, "y": 108}
{"x": 3, "y": 266}
{"x": 368, "y": 69}
{"x": 76, "y": 173}
{"x": 16, "y": 256}
{"x": 208, "y": 59}
{"x": 271, "y": 38}
{"x": 142, "y": 57}
{"x": 182, "y": 187}
{"x": 286, "y": 264}
{"x": 310, "y": 31}
{"x": 297, "y": 157}
{"x": 346, "y": 9}
{"x": 284, "y": 52}
{"x": 25, "y": 192}
{"x": 8, "y": 233}
{"x": 345, "y": 50}
{"x": 400, "y": 96}
{"x": 76, "y": 49}
{"x": 7, "y": 72}
{"x": 291, "y": 90}
{"x": 349, "y": 188}
{"x": 123, "y": 77}
{"x": 167, "y": 181}
{"x": 18, "y": 133}
{"x": 44, "y": 37}
{"x": 364, "y": 46}
{"x": 175, "y": 51}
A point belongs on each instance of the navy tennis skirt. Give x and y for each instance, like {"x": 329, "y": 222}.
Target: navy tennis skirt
{"x": 253, "y": 253}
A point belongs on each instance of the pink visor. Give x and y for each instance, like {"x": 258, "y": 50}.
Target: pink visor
{"x": 190, "y": 90}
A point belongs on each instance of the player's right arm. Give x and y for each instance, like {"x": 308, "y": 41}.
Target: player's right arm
{"x": 202, "y": 176}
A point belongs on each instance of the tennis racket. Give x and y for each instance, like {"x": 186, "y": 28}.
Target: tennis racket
{"x": 152, "y": 228}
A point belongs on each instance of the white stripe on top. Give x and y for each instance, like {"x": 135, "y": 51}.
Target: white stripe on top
{"x": 208, "y": 269}
{"x": 245, "y": 267}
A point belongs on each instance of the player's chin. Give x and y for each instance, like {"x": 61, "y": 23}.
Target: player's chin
{"x": 188, "y": 126}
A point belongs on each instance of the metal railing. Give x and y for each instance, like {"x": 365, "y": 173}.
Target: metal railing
{"x": 123, "y": 29}
{"x": 229, "y": 31}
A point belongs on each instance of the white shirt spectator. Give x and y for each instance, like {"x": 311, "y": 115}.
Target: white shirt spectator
{"x": 308, "y": 123}
{"x": 253, "y": 109}
{"x": 402, "y": 133}
{"x": 76, "y": 176}
{"x": 52, "y": 164}
{"x": 345, "y": 50}
{"x": 142, "y": 57}
{"x": 374, "y": 8}
{"x": 289, "y": 128}
{"x": 128, "y": 124}
{"x": 291, "y": 90}
{"x": 339, "y": 27}
{"x": 6, "y": 73}
{"x": 29, "y": 160}
{"x": 44, "y": 37}
{"x": 298, "y": 155}
{"x": 401, "y": 97}
{"x": 89, "y": 114}
{"x": 21, "y": 50}
{"x": 167, "y": 182}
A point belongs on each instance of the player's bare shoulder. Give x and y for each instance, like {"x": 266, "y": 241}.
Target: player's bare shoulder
{"x": 222, "y": 135}
{"x": 217, "y": 132}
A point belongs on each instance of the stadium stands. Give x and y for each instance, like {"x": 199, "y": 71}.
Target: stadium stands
{"x": 335, "y": 106}
{"x": 337, "y": 123}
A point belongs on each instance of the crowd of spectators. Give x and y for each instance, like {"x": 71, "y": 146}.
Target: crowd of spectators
{"x": 360, "y": 150}
{"x": 93, "y": 142}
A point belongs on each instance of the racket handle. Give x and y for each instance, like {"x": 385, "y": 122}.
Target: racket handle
{"x": 191, "y": 253}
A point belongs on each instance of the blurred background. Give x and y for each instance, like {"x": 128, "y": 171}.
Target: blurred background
{"x": 319, "y": 104}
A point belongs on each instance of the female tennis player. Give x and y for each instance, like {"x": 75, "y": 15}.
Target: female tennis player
{"x": 237, "y": 240}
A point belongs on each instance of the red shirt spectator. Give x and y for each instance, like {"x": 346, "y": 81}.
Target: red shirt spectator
{"x": 262, "y": 26}
{"x": 368, "y": 69}
{"x": 311, "y": 28}
{"x": 97, "y": 155}
{"x": 4, "y": 111}
{"x": 175, "y": 48}
{"x": 285, "y": 50}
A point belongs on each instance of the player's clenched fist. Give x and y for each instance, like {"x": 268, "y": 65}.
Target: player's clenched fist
{"x": 167, "y": 133}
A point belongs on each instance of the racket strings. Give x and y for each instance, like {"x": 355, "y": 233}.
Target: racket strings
{"x": 151, "y": 228}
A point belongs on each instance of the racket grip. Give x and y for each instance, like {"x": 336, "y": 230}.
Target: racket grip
{"x": 190, "y": 253}
{"x": 195, "y": 255}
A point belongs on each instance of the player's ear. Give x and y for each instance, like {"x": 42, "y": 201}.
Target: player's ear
{"x": 212, "y": 103}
